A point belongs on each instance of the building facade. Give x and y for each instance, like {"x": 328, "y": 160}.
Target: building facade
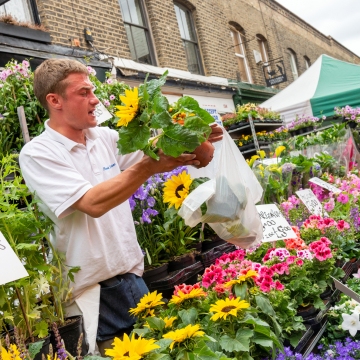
{"x": 216, "y": 47}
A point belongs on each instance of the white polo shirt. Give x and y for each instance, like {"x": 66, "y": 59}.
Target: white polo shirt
{"x": 60, "y": 171}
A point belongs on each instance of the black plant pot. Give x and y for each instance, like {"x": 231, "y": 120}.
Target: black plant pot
{"x": 307, "y": 312}
{"x": 181, "y": 262}
{"x": 70, "y": 334}
{"x": 155, "y": 274}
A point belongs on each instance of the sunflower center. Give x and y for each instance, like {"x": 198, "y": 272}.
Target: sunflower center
{"x": 179, "y": 188}
{"x": 126, "y": 354}
{"x": 226, "y": 309}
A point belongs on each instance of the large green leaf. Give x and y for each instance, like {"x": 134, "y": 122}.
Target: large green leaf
{"x": 161, "y": 120}
{"x": 34, "y": 348}
{"x": 205, "y": 116}
{"x": 262, "y": 340}
{"x": 155, "y": 323}
{"x": 155, "y": 356}
{"x": 160, "y": 103}
{"x": 264, "y": 304}
{"x": 177, "y": 139}
{"x": 240, "y": 290}
{"x": 196, "y": 124}
{"x": 133, "y": 137}
{"x": 188, "y": 316}
{"x": 240, "y": 343}
{"x": 202, "y": 352}
{"x": 188, "y": 103}
{"x": 153, "y": 86}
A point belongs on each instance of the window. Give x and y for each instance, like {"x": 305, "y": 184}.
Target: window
{"x": 137, "y": 30}
{"x": 22, "y": 10}
{"x": 239, "y": 46}
{"x": 307, "y": 62}
{"x": 263, "y": 47}
{"x": 293, "y": 64}
{"x": 188, "y": 36}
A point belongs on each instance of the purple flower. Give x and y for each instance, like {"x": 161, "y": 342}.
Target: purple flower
{"x": 106, "y": 102}
{"x": 140, "y": 193}
{"x": 151, "y": 201}
{"x": 112, "y": 97}
{"x": 132, "y": 203}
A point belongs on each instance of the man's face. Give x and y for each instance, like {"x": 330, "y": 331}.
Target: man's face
{"x": 79, "y": 102}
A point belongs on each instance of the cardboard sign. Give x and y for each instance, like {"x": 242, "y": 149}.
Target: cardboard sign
{"x": 311, "y": 202}
{"x": 325, "y": 185}
{"x": 11, "y": 267}
{"x": 344, "y": 289}
{"x": 101, "y": 113}
{"x": 275, "y": 226}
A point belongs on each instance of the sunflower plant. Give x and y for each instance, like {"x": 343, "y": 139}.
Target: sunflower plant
{"x": 181, "y": 127}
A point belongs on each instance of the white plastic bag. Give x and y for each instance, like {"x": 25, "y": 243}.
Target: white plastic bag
{"x": 230, "y": 197}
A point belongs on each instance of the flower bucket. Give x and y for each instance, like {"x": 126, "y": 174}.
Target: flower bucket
{"x": 155, "y": 274}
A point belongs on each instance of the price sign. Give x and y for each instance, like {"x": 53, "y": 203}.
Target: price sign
{"x": 311, "y": 202}
{"x": 11, "y": 267}
{"x": 101, "y": 113}
{"x": 275, "y": 226}
{"x": 325, "y": 185}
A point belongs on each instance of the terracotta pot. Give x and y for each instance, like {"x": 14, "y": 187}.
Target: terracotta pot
{"x": 204, "y": 153}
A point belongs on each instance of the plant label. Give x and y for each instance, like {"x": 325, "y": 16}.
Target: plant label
{"x": 344, "y": 289}
{"x": 275, "y": 226}
{"x": 270, "y": 161}
{"x": 101, "y": 113}
{"x": 325, "y": 185}
{"x": 11, "y": 267}
{"x": 311, "y": 202}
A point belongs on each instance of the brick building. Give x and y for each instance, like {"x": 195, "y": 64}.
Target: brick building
{"x": 215, "y": 49}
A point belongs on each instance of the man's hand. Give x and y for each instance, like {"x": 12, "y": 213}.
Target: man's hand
{"x": 216, "y": 133}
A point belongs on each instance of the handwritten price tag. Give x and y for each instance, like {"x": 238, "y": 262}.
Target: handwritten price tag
{"x": 11, "y": 267}
{"x": 101, "y": 113}
{"x": 311, "y": 202}
{"x": 325, "y": 185}
{"x": 275, "y": 226}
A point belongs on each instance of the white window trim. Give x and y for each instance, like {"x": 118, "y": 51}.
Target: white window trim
{"x": 243, "y": 56}
{"x": 293, "y": 66}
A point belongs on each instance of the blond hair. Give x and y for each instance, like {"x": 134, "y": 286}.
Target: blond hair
{"x": 50, "y": 77}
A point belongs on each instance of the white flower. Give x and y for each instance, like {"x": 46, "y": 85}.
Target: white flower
{"x": 42, "y": 286}
{"x": 351, "y": 323}
{"x": 356, "y": 309}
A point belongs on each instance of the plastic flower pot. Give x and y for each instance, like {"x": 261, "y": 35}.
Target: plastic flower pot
{"x": 70, "y": 333}
{"x": 155, "y": 274}
{"x": 181, "y": 262}
{"x": 45, "y": 349}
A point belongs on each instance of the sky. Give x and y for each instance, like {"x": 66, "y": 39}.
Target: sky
{"x": 338, "y": 18}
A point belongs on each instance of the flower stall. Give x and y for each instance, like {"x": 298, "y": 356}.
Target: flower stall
{"x": 208, "y": 298}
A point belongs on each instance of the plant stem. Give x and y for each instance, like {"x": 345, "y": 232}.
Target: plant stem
{"x": 18, "y": 294}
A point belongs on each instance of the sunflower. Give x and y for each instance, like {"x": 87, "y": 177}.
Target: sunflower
{"x": 169, "y": 321}
{"x": 241, "y": 278}
{"x": 176, "y": 189}
{"x": 223, "y": 308}
{"x": 147, "y": 303}
{"x": 12, "y": 354}
{"x": 132, "y": 348}
{"x": 128, "y": 112}
{"x": 180, "y": 297}
{"x": 181, "y": 335}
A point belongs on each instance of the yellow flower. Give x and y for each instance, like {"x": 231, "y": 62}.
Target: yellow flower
{"x": 169, "y": 321}
{"x": 279, "y": 150}
{"x": 252, "y": 160}
{"x": 12, "y": 354}
{"x": 223, "y": 308}
{"x": 128, "y": 112}
{"x": 180, "y": 297}
{"x": 132, "y": 349}
{"x": 180, "y": 335}
{"x": 241, "y": 278}
{"x": 147, "y": 303}
{"x": 176, "y": 189}
{"x": 261, "y": 153}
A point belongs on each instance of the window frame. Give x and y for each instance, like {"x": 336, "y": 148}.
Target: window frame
{"x": 293, "y": 64}
{"x": 239, "y": 41}
{"x": 145, "y": 27}
{"x": 34, "y": 12}
{"x": 262, "y": 42}
{"x": 307, "y": 62}
{"x": 194, "y": 42}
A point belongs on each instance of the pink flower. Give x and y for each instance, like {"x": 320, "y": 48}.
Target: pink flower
{"x": 342, "y": 225}
{"x": 343, "y": 198}
{"x": 112, "y": 97}
{"x": 304, "y": 254}
{"x": 279, "y": 285}
{"x": 329, "y": 206}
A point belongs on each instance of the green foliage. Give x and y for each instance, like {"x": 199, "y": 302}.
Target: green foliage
{"x": 181, "y": 127}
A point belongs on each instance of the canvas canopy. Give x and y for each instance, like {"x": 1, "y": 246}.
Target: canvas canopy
{"x": 327, "y": 83}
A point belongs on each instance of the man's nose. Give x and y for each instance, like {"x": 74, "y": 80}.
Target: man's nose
{"x": 94, "y": 100}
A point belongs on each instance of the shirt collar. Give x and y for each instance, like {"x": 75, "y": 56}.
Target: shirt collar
{"x": 69, "y": 144}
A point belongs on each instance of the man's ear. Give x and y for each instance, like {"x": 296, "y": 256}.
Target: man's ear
{"x": 54, "y": 101}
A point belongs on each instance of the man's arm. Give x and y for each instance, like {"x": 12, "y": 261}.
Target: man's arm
{"x": 103, "y": 197}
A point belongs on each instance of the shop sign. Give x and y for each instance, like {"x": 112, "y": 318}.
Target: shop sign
{"x": 11, "y": 267}
{"x": 275, "y": 74}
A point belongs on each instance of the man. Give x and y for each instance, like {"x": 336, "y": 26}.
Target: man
{"x": 83, "y": 185}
